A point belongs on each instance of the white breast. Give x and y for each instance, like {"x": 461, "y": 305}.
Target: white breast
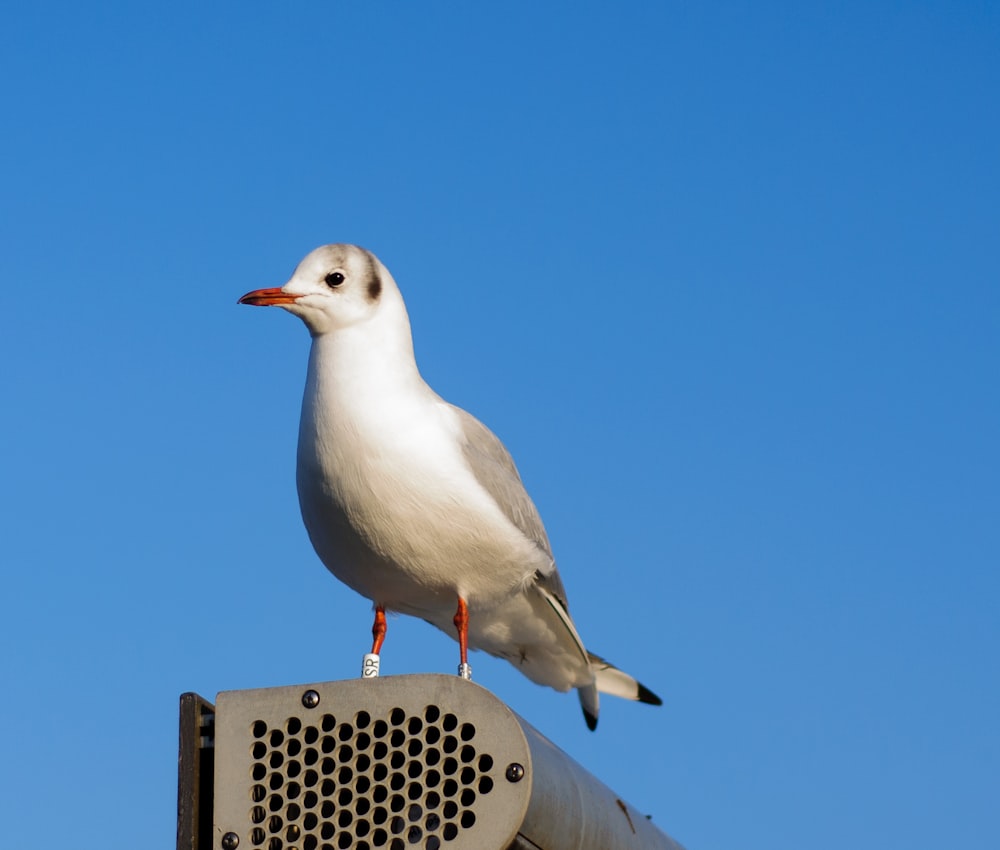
{"x": 391, "y": 505}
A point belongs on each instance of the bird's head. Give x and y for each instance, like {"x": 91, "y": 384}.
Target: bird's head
{"x": 334, "y": 287}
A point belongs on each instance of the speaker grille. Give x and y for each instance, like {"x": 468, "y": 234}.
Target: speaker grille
{"x": 401, "y": 777}
{"x": 400, "y": 762}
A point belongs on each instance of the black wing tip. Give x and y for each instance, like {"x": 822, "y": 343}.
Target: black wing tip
{"x": 647, "y": 696}
{"x": 591, "y": 720}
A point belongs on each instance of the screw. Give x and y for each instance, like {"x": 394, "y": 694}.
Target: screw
{"x": 230, "y": 841}
{"x": 310, "y": 699}
{"x": 515, "y": 772}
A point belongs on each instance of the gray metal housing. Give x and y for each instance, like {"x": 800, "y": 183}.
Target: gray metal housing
{"x": 424, "y": 761}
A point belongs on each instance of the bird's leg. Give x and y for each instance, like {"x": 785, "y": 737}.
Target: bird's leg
{"x": 370, "y": 665}
{"x": 379, "y": 629}
{"x": 461, "y": 622}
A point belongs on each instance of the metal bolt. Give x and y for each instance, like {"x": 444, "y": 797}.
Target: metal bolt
{"x": 310, "y": 699}
{"x": 515, "y": 772}
{"x": 230, "y": 841}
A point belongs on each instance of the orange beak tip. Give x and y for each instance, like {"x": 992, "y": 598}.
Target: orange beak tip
{"x": 274, "y": 297}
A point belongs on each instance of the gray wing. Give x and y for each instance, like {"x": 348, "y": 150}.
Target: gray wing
{"x": 494, "y": 469}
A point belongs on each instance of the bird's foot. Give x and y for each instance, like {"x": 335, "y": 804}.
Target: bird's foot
{"x": 461, "y": 622}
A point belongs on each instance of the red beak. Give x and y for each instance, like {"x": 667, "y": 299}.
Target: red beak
{"x": 274, "y": 297}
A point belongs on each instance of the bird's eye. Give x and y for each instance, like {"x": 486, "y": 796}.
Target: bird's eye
{"x": 334, "y": 279}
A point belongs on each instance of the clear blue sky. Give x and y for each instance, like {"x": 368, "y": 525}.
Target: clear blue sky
{"x": 724, "y": 277}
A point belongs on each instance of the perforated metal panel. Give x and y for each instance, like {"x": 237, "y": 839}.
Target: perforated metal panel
{"x": 391, "y": 763}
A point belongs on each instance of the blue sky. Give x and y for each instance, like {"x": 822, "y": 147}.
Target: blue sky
{"x": 724, "y": 277}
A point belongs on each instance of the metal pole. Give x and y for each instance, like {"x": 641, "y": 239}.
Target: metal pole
{"x": 399, "y": 762}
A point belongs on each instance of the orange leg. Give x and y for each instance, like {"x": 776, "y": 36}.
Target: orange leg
{"x": 461, "y": 622}
{"x": 378, "y": 629}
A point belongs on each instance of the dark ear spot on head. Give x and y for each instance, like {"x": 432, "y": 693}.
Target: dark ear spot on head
{"x": 374, "y": 281}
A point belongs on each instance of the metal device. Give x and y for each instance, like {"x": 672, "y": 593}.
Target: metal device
{"x": 399, "y": 762}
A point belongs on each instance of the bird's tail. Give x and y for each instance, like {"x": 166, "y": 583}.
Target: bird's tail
{"x": 609, "y": 679}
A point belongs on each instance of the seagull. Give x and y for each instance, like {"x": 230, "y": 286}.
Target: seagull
{"x": 411, "y": 501}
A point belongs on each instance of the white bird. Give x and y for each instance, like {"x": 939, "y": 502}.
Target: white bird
{"x": 413, "y": 502}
